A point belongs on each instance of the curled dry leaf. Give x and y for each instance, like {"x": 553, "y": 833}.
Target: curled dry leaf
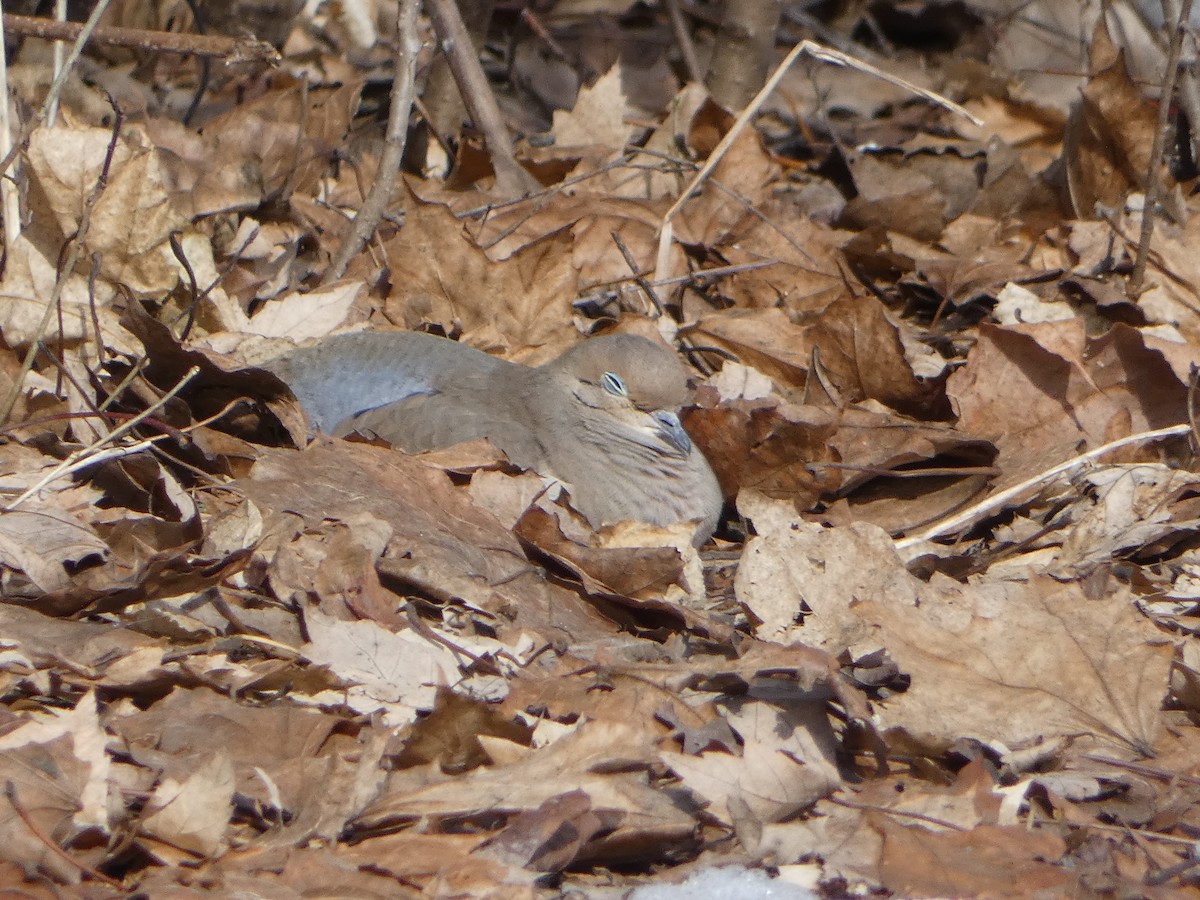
{"x": 131, "y": 218}
{"x": 1109, "y": 134}
{"x": 1018, "y": 383}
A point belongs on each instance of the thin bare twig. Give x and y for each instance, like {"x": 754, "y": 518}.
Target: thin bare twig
{"x": 639, "y": 277}
{"x": 544, "y": 194}
{"x": 193, "y": 286}
{"x": 1060, "y": 825}
{"x": 715, "y": 272}
{"x": 511, "y": 179}
{"x": 931, "y": 472}
{"x": 589, "y": 293}
{"x": 9, "y": 195}
{"x": 1142, "y": 769}
{"x": 748, "y": 205}
{"x": 151, "y": 443}
{"x": 8, "y": 192}
{"x": 543, "y": 33}
{"x": 205, "y": 63}
{"x": 816, "y": 51}
{"x": 404, "y": 62}
{"x": 67, "y": 265}
{"x": 82, "y": 34}
{"x": 113, "y": 395}
{"x": 1189, "y": 87}
{"x": 96, "y": 260}
{"x": 998, "y": 501}
{"x": 60, "y": 58}
{"x": 683, "y": 40}
{"x": 233, "y": 49}
{"x": 1133, "y": 288}
{"x": 920, "y": 817}
{"x": 10, "y": 791}
{"x": 422, "y": 628}
{"x": 1170, "y": 873}
{"x": 1193, "y": 391}
{"x": 93, "y": 454}
{"x": 58, "y": 360}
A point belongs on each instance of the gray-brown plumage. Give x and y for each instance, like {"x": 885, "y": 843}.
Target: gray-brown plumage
{"x": 601, "y": 417}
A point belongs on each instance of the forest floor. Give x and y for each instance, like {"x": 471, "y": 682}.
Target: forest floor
{"x": 944, "y": 642}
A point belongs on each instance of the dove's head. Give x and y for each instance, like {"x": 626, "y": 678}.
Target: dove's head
{"x": 638, "y": 382}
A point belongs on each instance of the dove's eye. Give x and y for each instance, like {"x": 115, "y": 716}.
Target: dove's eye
{"x": 613, "y": 384}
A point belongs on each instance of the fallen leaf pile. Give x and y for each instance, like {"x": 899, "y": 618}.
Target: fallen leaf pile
{"x": 944, "y": 644}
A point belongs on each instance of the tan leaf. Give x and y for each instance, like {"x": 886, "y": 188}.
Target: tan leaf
{"x": 133, "y": 215}
{"x": 550, "y": 837}
{"x": 286, "y": 136}
{"x": 46, "y": 780}
{"x": 1039, "y": 392}
{"x": 442, "y": 864}
{"x": 27, "y": 286}
{"x": 193, "y": 814}
{"x": 46, "y": 543}
{"x": 89, "y": 744}
{"x": 987, "y": 861}
{"x": 1108, "y": 138}
{"x": 598, "y": 117}
{"x": 398, "y": 672}
{"x": 450, "y": 734}
{"x": 440, "y": 542}
{"x": 786, "y": 763}
{"x": 597, "y": 759}
{"x": 302, "y": 317}
{"x": 441, "y": 277}
{"x": 793, "y": 566}
{"x": 1054, "y": 661}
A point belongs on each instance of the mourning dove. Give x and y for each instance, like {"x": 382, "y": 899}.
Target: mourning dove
{"x": 601, "y": 417}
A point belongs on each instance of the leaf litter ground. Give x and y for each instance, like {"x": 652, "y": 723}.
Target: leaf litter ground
{"x": 233, "y": 663}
